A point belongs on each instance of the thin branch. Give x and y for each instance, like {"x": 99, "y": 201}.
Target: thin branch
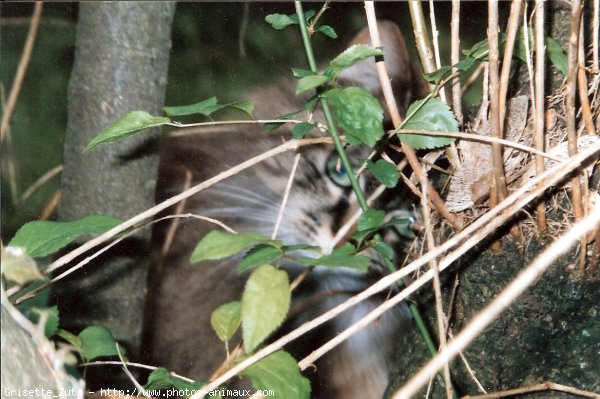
{"x": 596, "y": 35}
{"x": 286, "y": 195}
{"x": 487, "y": 315}
{"x": 21, "y": 69}
{"x": 331, "y": 126}
{"x": 454, "y": 59}
{"x": 480, "y": 138}
{"x": 396, "y": 120}
{"x": 436, "y": 44}
{"x": 586, "y": 112}
{"x": 437, "y": 290}
{"x": 421, "y": 36}
{"x": 571, "y": 117}
{"x": 545, "y": 386}
{"x": 511, "y": 34}
{"x": 131, "y": 364}
{"x": 170, "y": 235}
{"x": 184, "y": 132}
{"x": 290, "y": 145}
{"x": 40, "y": 182}
{"x": 498, "y": 187}
{"x": 135, "y": 382}
{"x": 540, "y": 115}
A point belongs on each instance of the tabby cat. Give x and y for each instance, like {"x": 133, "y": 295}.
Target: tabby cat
{"x": 178, "y": 332}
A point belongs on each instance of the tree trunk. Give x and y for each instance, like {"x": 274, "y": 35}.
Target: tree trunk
{"x": 121, "y": 62}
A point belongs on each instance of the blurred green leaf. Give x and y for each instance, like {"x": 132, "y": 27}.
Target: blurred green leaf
{"x": 226, "y": 319}
{"x": 327, "y": 31}
{"x": 358, "y": 113}
{"x": 351, "y": 56}
{"x": 97, "y": 341}
{"x": 209, "y": 107}
{"x": 126, "y": 126}
{"x": 41, "y": 237}
{"x": 302, "y": 129}
{"x": 370, "y": 219}
{"x": 218, "y": 244}
{"x": 385, "y": 172}
{"x": 557, "y": 55}
{"x": 265, "y": 303}
{"x": 160, "y": 378}
{"x": 279, "y": 372}
{"x": 259, "y": 255}
{"x": 311, "y": 82}
{"x": 18, "y": 266}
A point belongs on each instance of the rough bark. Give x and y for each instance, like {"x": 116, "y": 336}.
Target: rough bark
{"x": 121, "y": 62}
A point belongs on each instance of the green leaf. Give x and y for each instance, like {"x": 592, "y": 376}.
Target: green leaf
{"x": 370, "y": 219}
{"x": 302, "y": 73}
{"x": 361, "y": 236}
{"x": 520, "y": 49}
{"x": 346, "y": 249}
{"x": 265, "y": 303}
{"x": 327, "y": 31}
{"x": 259, "y": 255}
{"x": 311, "y": 82}
{"x": 351, "y": 56}
{"x": 97, "y": 341}
{"x": 280, "y": 21}
{"x": 219, "y": 244}
{"x": 70, "y": 338}
{"x": 226, "y": 319}
{"x": 358, "y": 113}
{"x": 431, "y": 114}
{"x": 209, "y": 107}
{"x": 279, "y": 372}
{"x": 300, "y": 247}
{"x": 357, "y": 262}
{"x": 557, "y": 55}
{"x": 302, "y": 129}
{"x": 269, "y": 127}
{"x": 162, "y": 379}
{"x": 464, "y": 65}
{"x": 246, "y": 106}
{"x": 18, "y": 266}
{"x": 385, "y": 172}
{"x": 41, "y": 237}
{"x": 126, "y": 126}
{"x": 437, "y": 76}
{"x": 205, "y": 107}
{"x": 51, "y": 314}
{"x": 384, "y": 249}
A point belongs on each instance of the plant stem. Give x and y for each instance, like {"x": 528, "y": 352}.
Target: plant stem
{"x": 339, "y": 147}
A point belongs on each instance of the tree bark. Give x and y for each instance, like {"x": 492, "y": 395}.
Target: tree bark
{"x": 121, "y": 63}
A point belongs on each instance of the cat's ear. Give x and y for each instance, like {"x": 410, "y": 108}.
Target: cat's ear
{"x": 406, "y": 84}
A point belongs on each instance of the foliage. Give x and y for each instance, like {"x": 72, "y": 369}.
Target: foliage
{"x": 42, "y": 238}
{"x": 279, "y": 372}
{"x": 429, "y": 114}
{"x": 266, "y": 299}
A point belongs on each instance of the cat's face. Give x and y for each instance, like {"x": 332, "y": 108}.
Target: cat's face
{"x": 178, "y": 332}
{"x": 320, "y": 199}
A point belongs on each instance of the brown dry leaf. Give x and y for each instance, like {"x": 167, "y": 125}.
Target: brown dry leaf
{"x": 470, "y": 184}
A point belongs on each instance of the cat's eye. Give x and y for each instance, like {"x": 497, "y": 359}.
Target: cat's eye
{"x": 337, "y": 172}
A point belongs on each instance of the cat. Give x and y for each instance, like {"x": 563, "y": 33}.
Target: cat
{"x": 182, "y": 296}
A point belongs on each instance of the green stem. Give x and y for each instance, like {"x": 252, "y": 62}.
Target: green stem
{"x": 362, "y": 201}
